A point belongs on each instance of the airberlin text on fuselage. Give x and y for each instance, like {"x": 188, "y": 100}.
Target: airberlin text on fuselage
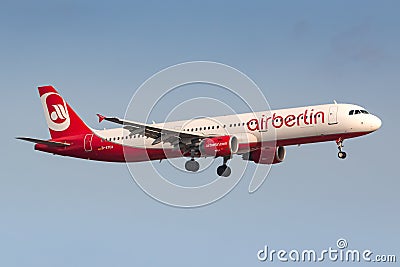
{"x": 308, "y": 117}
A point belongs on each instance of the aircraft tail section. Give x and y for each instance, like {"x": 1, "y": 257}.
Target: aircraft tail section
{"x": 61, "y": 119}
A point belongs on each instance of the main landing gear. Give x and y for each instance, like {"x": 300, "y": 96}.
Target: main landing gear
{"x": 192, "y": 165}
{"x": 224, "y": 170}
{"x": 341, "y": 154}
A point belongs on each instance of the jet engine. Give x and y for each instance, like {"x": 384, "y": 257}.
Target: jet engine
{"x": 219, "y": 146}
{"x": 266, "y": 155}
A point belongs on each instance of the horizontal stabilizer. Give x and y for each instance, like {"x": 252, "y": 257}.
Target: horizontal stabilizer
{"x": 101, "y": 117}
{"x": 44, "y": 142}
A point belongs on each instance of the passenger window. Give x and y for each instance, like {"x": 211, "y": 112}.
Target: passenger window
{"x": 212, "y": 127}
{"x": 217, "y": 126}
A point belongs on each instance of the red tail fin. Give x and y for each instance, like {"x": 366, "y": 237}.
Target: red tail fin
{"x": 60, "y": 117}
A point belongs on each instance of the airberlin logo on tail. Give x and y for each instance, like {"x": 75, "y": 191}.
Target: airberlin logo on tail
{"x": 59, "y": 113}
{"x": 55, "y": 111}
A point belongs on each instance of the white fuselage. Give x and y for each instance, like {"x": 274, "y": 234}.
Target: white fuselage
{"x": 285, "y": 126}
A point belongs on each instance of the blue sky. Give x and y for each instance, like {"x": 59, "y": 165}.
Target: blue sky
{"x": 68, "y": 212}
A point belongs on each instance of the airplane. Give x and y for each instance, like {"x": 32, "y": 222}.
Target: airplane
{"x": 259, "y": 137}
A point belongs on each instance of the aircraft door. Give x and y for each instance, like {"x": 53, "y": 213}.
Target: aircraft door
{"x": 332, "y": 118}
{"x": 88, "y": 142}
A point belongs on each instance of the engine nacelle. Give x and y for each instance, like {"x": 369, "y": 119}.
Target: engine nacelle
{"x": 266, "y": 155}
{"x": 219, "y": 146}
{"x": 247, "y": 142}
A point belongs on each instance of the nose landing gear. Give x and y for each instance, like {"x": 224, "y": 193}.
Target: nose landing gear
{"x": 341, "y": 154}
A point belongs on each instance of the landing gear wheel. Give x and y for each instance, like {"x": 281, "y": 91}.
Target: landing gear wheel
{"x": 341, "y": 154}
{"x": 192, "y": 165}
{"x": 224, "y": 171}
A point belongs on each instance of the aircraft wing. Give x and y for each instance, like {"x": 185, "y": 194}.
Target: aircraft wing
{"x": 159, "y": 134}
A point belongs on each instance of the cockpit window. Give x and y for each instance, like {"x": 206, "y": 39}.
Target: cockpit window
{"x": 353, "y": 112}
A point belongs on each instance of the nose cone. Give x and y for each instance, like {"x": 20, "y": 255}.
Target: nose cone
{"x": 375, "y": 123}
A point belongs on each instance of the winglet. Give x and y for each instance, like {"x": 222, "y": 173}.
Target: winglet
{"x": 101, "y": 117}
